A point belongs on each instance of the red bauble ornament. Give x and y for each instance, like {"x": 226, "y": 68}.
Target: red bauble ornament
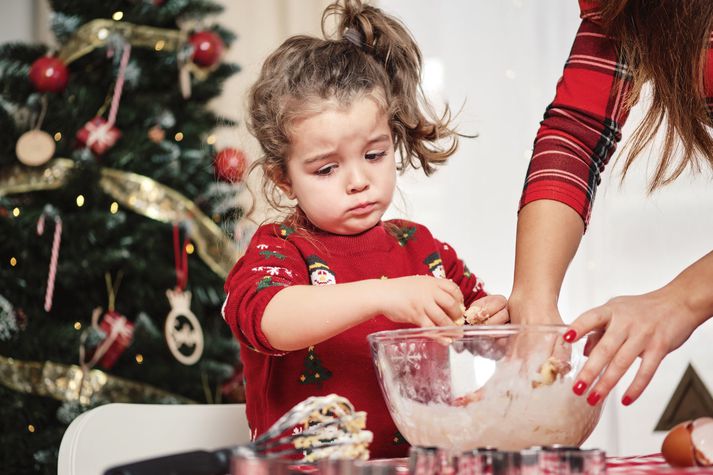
{"x": 49, "y": 74}
{"x": 230, "y": 164}
{"x": 207, "y": 48}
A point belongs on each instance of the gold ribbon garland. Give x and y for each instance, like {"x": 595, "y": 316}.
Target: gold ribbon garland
{"x": 140, "y": 194}
{"x": 69, "y": 383}
{"x": 97, "y": 33}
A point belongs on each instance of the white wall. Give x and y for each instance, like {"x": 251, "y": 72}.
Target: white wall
{"x": 16, "y": 21}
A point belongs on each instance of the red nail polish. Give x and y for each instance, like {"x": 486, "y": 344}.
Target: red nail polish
{"x": 579, "y": 388}
{"x": 569, "y": 336}
{"x": 626, "y": 400}
{"x": 593, "y": 398}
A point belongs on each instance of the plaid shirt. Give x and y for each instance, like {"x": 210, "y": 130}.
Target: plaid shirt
{"x": 582, "y": 126}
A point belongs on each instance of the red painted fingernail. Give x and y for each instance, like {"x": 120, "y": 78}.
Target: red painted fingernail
{"x": 593, "y": 398}
{"x": 579, "y": 388}
{"x": 569, "y": 336}
{"x": 626, "y": 400}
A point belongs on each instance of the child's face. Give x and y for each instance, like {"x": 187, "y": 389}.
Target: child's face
{"x": 341, "y": 167}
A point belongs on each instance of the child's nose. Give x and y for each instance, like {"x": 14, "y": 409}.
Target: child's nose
{"x": 358, "y": 181}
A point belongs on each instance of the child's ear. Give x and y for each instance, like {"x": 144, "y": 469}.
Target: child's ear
{"x": 280, "y": 180}
{"x": 285, "y": 185}
{"x": 287, "y": 190}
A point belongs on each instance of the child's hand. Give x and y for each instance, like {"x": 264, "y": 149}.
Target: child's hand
{"x": 421, "y": 300}
{"x": 488, "y": 310}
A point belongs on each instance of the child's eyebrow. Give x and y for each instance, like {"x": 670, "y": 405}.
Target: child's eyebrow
{"x": 380, "y": 138}
{"x": 321, "y": 156}
{"x": 328, "y": 154}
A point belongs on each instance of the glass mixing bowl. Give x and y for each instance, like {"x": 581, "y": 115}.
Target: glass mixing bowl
{"x": 461, "y": 388}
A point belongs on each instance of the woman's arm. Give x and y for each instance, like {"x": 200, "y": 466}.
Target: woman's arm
{"x": 548, "y": 234}
{"x": 575, "y": 141}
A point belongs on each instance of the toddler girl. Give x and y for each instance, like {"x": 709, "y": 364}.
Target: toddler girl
{"x": 330, "y": 116}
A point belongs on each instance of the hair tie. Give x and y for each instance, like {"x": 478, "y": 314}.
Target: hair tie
{"x": 354, "y": 36}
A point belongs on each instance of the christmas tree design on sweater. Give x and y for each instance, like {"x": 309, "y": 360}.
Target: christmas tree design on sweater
{"x": 314, "y": 372}
{"x": 406, "y": 233}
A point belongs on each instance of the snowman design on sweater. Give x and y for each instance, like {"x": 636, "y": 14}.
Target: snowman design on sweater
{"x": 435, "y": 265}
{"x": 319, "y": 271}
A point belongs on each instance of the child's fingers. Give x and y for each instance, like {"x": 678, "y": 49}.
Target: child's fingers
{"x": 452, "y": 288}
{"x": 492, "y": 304}
{"x": 451, "y": 306}
{"x": 500, "y": 318}
{"x": 438, "y": 316}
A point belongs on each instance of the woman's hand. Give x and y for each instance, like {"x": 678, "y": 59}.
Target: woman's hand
{"x": 648, "y": 326}
{"x": 421, "y": 300}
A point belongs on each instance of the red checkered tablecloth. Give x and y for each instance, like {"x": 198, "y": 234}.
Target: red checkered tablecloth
{"x": 635, "y": 465}
{"x": 649, "y": 464}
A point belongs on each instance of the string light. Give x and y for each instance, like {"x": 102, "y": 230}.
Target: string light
{"x": 77, "y": 326}
{"x": 58, "y": 136}
{"x": 159, "y": 45}
{"x": 178, "y": 136}
{"x": 30, "y": 428}
{"x": 80, "y": 200}
{"x": 190, "y": 248}
{"x": 114, "y": 208}
{"x": 211, "y": 139}
{"x": 139, "y": 358}
{"x": 103, "y": 34}
{"x": 16, "y": 212}
{"x": 13, "y": 261}
{"x": 118, "y": 15}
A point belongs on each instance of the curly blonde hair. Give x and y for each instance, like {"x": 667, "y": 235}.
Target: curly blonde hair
{"x": 372, "y": 55}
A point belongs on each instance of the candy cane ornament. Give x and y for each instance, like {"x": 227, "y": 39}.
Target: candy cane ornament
{"x": 53, "y": 258}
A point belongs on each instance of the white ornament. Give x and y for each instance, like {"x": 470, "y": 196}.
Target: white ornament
{"x": 34, "y": 148}
{"x": 182, "y": 328}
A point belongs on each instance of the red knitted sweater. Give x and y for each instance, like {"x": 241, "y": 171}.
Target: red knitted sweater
{"x": 278, "y": 257}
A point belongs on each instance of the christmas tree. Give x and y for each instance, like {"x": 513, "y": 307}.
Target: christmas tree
{"x": 112, "y": 194}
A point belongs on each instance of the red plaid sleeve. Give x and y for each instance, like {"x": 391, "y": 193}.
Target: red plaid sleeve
{"x": 582, "y": 126}
{"x": 470, "y": 285}
{"x": 271, "y": 263}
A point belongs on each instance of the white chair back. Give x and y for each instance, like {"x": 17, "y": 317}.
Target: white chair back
{"x": 119, "y": 433}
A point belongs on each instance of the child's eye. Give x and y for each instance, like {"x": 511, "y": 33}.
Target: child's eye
{"x": 374, "y": 155}
{"x": 325, "y": 170}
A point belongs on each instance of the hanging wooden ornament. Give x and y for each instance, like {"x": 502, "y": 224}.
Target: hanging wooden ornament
{"x": 35, "y": 147}
{"x": 182, "y": 329}
{"x": 184, "y": 335}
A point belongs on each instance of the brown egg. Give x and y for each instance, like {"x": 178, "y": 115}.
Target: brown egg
{"x": 690, "y": 444}
{"x": 677, "y": 448}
